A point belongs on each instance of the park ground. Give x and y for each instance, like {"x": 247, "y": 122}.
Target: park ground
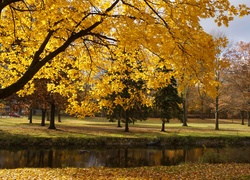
{"x": 98, "y": 131}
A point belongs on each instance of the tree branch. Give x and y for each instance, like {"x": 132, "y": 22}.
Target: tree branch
{"x": 38, "y": 63}
{"x": 36, "y": 57}
{"x": 164, "y": 22}
{"x": 5, "y": 3}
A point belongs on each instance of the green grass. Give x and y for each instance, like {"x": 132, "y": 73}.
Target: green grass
{"x": 100, "y": 126}
{"x": 73, "y": 130}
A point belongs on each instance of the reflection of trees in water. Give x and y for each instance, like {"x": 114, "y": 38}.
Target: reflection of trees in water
{"x": 50, "y": 158}
{"x": 41, "y": 159}
{"x": 130, "y": 158}
{"x": 36, "y": 158}
{"x": 148, "y": 157}
{"x": 172, "y": 157}
{"x": 177, "y": 156}
{"x": 120, "y": 157}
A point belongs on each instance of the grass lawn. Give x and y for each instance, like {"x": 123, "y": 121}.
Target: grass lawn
{"x": 99, "y": 128}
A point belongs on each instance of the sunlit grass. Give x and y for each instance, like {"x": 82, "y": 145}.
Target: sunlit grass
{"x": 100, "y": 127}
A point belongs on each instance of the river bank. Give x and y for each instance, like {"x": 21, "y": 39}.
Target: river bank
{"x": 10, "y": 140}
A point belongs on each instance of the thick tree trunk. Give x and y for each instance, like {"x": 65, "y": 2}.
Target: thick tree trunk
{"x": 242, "y": 118}
{"x": 30, "y": 115}
{"x": 43, "y": 116}
{"x": 217, "y": 113}
{"x": 163, "y": 126}
{"x": 126, "y": 121}
{"x": 52, "y": 116}
{"x": 119, "y": 123}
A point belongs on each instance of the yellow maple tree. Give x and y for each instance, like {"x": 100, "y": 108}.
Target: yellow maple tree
{"x": 74, "y": 43}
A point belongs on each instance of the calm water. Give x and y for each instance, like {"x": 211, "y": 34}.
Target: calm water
{"x": 123, "y": 157}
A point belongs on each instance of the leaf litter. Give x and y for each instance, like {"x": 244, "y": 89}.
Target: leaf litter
{"x": 183, "y": 171}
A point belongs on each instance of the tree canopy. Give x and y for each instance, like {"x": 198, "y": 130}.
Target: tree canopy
{"x": 78, "y": 46}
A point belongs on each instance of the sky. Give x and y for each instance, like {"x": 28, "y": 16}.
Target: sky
{"x": 239, "y": 28}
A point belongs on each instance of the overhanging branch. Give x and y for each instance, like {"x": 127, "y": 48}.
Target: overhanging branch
{"x": 38, "y": 63}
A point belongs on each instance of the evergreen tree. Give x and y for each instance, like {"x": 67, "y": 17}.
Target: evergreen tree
{"x": 167, "y": 100}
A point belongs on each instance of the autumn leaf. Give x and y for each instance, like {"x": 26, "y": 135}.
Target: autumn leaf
{"x": 83, "y": 48}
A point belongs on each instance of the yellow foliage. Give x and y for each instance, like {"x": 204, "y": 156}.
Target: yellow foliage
{"x": 85, "y": 43}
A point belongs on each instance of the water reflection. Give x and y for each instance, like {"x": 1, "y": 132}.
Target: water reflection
{"x": 120, "y": 157}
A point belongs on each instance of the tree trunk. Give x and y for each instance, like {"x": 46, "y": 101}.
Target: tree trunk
{"x": 48, "y": 116}
{"x": 163, "y": 125}
{"x": 30, "y": 115}
{"x": 52, "y": 116}
{"x": 242, "y": 118}
{"x": 43, "y": 116}
{"x": 59, "y": 115}
{"x": 185, "y": 110}
{"x": 119, "y": 123}
{"x": 126, "y": 121}
{"x": 202, "y": 107}
{"x": 217, "y": 113}
{"x": 248, "y": 117}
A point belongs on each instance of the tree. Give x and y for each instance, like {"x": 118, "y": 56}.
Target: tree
{"x": 220, "y": 64}
{"x": 42, "y": 39}
{"x": 185, "y": 106}
{"x": 39, "y": 98}
{"x": 237, "y": 78}
{"x": 129, "y": 103}
{"x": 16, "y": 104}
{"x": 168, "y": 101}
{"x": 203, "y": 74}
{"x": 56, "y": 102}
{"x": 199, "y": 102}
{"x": 44, "y": 100}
